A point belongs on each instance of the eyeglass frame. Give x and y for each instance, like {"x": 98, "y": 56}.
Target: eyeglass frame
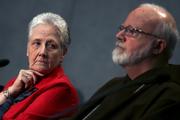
{"x": 130, "y": 29}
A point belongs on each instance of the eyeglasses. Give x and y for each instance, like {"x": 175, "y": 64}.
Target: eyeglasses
{"x": 132, "y": 31}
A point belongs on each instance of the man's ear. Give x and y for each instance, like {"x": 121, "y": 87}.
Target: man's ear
{"x": 159, "y": 46}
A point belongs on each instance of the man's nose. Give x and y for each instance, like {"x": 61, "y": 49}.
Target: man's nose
{"x": 120, "y": 36}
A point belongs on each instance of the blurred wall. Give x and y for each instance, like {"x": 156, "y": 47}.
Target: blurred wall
{"x": 93, "y": 24}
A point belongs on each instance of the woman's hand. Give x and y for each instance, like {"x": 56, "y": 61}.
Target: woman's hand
{"x": 25, "y": 80}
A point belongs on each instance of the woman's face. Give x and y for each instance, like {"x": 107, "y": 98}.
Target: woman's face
{"x": 44, "y": 49}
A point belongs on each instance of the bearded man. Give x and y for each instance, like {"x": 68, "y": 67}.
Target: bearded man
{"x": 150, "y": 90}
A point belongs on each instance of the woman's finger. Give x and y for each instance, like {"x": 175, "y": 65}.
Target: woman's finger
{"x": 31, "y": 74}
{"x": 37, "y": 73}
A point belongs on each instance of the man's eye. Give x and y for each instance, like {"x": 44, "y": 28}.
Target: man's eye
{"x": 121, "y": 28}
{"x": 129, "y": 31}
{"x": 132, "y": 31}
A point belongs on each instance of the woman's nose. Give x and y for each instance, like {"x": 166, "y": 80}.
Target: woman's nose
{"x": 43, "y": 51}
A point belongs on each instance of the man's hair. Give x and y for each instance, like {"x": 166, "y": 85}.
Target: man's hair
{"x": 165, "y": 29}
{"x": 55, "y": 20}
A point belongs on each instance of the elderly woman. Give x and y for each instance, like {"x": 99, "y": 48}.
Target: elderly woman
{"x": 42, "y": 91}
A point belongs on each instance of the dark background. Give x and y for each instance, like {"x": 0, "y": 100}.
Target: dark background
{"x": 93, "y": 24}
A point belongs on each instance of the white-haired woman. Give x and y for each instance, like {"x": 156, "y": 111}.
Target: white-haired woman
{"x": 43, "y": 90}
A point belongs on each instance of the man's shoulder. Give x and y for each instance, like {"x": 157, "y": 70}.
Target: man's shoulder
{"x": 111, "y": 84}
{"x": 114, "y": 81}
{"x": 174, "y": 67}
{"x": 174, "y": 71}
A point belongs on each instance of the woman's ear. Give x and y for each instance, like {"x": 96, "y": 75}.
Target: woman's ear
{"x": 159, "y": 46}
{"x": 63, "y": 53}
{"x": 27, "y": 53}
{"x": 27, "y": 50}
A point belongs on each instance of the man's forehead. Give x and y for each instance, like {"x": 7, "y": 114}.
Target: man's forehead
{"x": 141, "y": 16}
{"x": 144, "y": 13}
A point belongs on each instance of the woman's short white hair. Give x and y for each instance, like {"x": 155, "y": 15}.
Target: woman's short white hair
{"x": 55, "y": 20}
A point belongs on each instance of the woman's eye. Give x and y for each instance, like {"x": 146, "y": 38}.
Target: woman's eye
{"x": 37, "y": 43}
{"x": 51, "y": 46}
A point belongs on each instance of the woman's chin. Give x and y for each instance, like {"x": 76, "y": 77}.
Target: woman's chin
{"x": 41, "y": 70}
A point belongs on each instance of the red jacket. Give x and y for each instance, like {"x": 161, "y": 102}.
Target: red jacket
{"x": 55, "y": 95}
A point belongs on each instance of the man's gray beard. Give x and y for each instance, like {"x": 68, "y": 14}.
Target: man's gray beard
{"x": 121, "y": 57}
